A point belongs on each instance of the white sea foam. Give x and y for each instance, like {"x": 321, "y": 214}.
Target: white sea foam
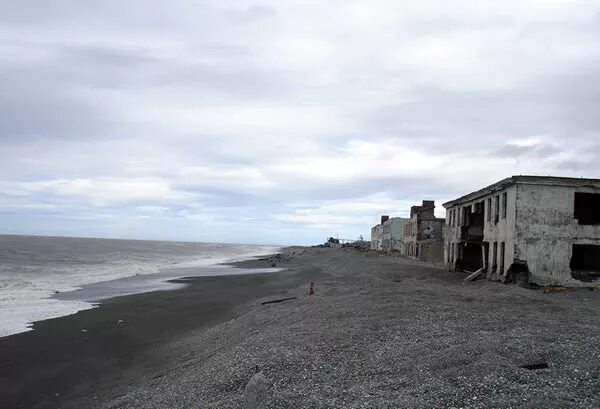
{"x": 34, "y": 269}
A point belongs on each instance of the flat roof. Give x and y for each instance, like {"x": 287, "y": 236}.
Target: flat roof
{"x": 525, "y": 179}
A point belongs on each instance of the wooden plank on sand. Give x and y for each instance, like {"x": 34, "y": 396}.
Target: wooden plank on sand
{"x": 473, "y": 276}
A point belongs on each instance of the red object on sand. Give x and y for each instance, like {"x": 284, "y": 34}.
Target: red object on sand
{"x": 312, "y": 288}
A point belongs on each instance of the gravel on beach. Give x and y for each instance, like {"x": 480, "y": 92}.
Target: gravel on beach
{"x": 389, "y": 332}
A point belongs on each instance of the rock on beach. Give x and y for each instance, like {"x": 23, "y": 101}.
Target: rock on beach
{"x": 257, "y": 392}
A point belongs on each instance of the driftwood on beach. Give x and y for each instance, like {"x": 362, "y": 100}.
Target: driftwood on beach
{"x": 279, "y": 300}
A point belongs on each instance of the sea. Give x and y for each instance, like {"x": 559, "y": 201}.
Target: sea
{"x": 49, "y": 277}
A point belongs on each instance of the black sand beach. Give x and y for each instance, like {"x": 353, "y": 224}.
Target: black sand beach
{"x": 380, "y": 332}
{"x": 95, "y": 355}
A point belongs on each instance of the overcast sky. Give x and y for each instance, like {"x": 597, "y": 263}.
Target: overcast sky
{"x": 283, "y": 121}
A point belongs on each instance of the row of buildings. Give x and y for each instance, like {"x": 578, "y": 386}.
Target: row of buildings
{"x": 420, "y": 236}
{"x": 540, "y": 229}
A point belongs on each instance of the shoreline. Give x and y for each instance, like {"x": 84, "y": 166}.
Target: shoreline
{"x": 96, "y": 354}
{"x": 85, "y": 296}
{"x": 38, "y": 271}
{"x": 380, "y": 332}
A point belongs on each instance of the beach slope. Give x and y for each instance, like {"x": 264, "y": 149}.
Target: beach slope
{"x": 380, "y": 332}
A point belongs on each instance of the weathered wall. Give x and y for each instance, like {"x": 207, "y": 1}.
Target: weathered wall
{"x": 431, "y": 230}
{"x": 393, "y": 235}
{"x": 432, "y": 251}
{"x": 418, "y": 231}
{"x": 411, "y": 228}
{"x": 546, "y": 230}
{"x": 376, "y": 237}
{"x": 502, "y": 231}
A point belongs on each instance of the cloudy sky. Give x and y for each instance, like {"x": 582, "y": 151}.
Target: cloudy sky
{"x": 283, "y": 121}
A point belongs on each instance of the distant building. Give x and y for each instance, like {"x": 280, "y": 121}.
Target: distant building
{"x": 333, "y": 243}
{"x": 545, "y": 230}
{"x": 392, "y": 238}
{"x": 424, "y": 233}
{"x": 377, "y": 235}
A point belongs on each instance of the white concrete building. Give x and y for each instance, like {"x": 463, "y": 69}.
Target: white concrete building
{"x": 393, "y": 235}
{"x": 542, "y": 229}
{"x": 377, "y": 235}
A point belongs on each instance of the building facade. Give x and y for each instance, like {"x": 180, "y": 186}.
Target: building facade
{"x": 377, "y": 235}
{"x": 424, "y": 233}
{"x": 393, "y": 235}
{"x": 545, "y": 230}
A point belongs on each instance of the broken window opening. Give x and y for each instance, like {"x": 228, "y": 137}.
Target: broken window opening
{"x": 501, "y": 263}
{"x": 587, "y": 208}
{"x": 497, "y": 209}
{"x": 495, "y": 257}
{"x": 585, "y": 262}
{"x": 472, "y": 230}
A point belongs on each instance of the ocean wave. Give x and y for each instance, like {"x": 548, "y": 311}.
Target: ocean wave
{"x": 34, "y": 269}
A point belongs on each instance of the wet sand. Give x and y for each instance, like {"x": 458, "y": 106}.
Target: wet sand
{"x": 95, "y": 355}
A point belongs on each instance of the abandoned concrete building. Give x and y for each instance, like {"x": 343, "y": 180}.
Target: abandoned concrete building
{"x": 393, "y": 235}
{"x": 424, "y": 233}
{"x": 545, "y": 230}
{"x": 377, "y": 235}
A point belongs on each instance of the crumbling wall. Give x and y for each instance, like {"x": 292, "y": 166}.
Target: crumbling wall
{"x": 431, "y": 229}
{"x": 501, "y": 229}
{"x": 376, "y": 237}
{"x": 547, "y": 230}
{"x": 409, "y": 237}
{"x": 432, "y": 251}
{"x": 393, "y": 235}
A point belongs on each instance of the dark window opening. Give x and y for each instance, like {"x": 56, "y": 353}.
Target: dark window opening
{"x": 465, "y": 215}
{"x": 495, "y": 256}
{"x": 472, "y": 228}
{"x": 587, "y": 208}
{"x": 489, "y": 210}
{"x": 504, "y": 202}
{"x": 501, "y": 262}
{"x": 497, "y": 209}
{"x": 476, "y": 219}
{"x": 585, "y": 262}
{"x": 479, "y": 209}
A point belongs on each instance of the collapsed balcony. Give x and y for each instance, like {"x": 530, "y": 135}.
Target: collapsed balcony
{"x": 471, "y": 230}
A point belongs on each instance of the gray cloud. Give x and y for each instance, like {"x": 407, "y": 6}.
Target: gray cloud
{"x": 268, "y": 120}
{"x": 536, "y": 150}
